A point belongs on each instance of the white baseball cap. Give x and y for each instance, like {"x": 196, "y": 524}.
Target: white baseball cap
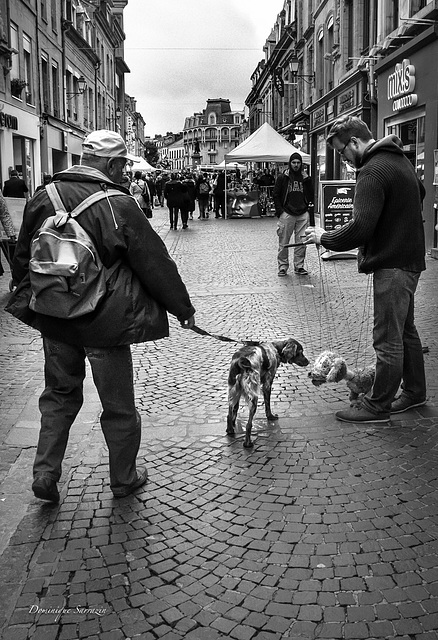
{"x": 104, "y": 143}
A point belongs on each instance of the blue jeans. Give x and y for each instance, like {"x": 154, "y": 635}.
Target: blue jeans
{"x": 399, "y": 353}
{"x": 286, "y": 226}
{"x": 62, "y": 398}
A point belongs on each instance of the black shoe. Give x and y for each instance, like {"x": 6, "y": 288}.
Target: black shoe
{"x": 402, "y": 403}
{"x": 142, "y": 478}
{"x": 301, "y": 271}
{"x": 45, "y": 489}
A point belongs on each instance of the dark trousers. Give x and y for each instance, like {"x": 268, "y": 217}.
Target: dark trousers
{"x": 173, "y": 216}
{"x": 399, "y": 353}
{"x": 62, "y": 398}
{"x": 219, "y": 204}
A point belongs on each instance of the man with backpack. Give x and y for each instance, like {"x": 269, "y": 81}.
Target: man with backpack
{"x": 141, "y": 284}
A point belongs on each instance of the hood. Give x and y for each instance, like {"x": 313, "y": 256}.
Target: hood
{"x": 295, "y": 156}
{"x": 389, "y": 144}
{"x": 87, "y": 174}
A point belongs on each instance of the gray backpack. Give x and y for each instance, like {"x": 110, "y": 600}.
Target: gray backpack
{"x": 67, "y": 276}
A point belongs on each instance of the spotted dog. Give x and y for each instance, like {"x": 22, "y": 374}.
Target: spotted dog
{"x": 253, "y": 367}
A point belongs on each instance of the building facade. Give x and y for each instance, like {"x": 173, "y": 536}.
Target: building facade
{"x": 212, "y": 133}
{"x": 369, "y": 58}
{"x": 63, "y": 76}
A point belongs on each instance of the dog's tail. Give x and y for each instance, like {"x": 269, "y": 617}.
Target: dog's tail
{"x": 249, "y": 379}
{"x": 242, "y": 375}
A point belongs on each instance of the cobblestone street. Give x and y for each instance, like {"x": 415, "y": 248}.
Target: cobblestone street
{"x": 323, "y": 530}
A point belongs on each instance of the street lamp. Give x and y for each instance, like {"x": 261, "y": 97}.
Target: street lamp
{"x": 81, "y": 85}
{"x": 118, "y": 112}
{"x": 294, "y": 65}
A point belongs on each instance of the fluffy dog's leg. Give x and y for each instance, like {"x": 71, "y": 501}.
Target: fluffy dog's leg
{"x": 233, "y": 408}
{"x": 267, "y": 387}
{"x": 234, "y": 393}
{"x": 248, "y": 443}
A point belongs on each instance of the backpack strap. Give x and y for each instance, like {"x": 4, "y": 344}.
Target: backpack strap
{"x": 60, "y": 209}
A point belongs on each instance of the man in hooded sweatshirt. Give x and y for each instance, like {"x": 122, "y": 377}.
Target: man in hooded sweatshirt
{"x": 293, "y": 195}
{"x": 387, "y": 226}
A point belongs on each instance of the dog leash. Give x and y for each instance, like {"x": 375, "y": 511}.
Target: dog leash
{"x": 203, "y": 332}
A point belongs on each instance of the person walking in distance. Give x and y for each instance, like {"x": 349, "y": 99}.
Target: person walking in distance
{"x": 387, "y": 227}
{"x": 203, "y": 194}
{"x": 293, "y": 195}
{"x": 175, "y": 193}
{"x": 15, "y": 187}
{"x": 143, "y": 286}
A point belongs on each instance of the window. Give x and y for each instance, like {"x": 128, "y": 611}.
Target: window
{"x": 320, "y": 70}
{"x": 329, "y": 62}
{"x": 350, "y": 32}
{"x": 54, "y": 17}
{"x": 15, "y": 70}
{"x": 55, "y": 89}
{"x": 43, "y": 9}
{"x": 45, "y": 83}
{"x": 27, "y": 51}
{"x": 366, "y": 26}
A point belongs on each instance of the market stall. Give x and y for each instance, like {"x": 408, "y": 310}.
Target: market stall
{"x": 264, "y": 145}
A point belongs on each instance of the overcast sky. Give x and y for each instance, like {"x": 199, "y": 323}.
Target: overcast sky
{"x": 183, "y": 52}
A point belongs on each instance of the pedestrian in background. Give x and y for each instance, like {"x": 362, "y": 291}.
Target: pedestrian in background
{"x": 139, "y": 189}
{"x": 219, "y": 196}
{"x": 8, "y": 226}
{"x": 143, "y": 288}
{"x": 387, "y": 226}
{"x": 190, "y": 185}
{"x": 15, "y": 187}
{"x": 293, "y": 195}
{"x": 203, "y": 191}
{"x": 163, "y": 180}
{"x": 175, "y": 193}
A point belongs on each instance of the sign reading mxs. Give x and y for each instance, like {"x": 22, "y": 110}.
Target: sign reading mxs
{"x": 401, "y": 84}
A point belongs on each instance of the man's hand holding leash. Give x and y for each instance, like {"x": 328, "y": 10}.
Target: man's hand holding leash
{"x": 313, "y": 235}
{"x": 188, "y": 324}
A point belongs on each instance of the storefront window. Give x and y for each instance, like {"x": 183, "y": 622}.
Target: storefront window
{"x": 321, "y": 151}
{"x": 412, "y": 134}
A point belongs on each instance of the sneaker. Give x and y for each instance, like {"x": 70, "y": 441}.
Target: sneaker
{"x": 360, "y": 414}
{"x": 282, "y": 273}
{"x": 301, "y": 271}
{"x": 45, "y": 489}
{"x": 403, "y": 403}
{"x": 142, "y": 478}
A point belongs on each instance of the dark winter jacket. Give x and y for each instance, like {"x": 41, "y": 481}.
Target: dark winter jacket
{"x": 140, "y": 292}
{"x": 175, "y": 193}
{"x": 292, "y": 192}
{"x": 387, "y": 223}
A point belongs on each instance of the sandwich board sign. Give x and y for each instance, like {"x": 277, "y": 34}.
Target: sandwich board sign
{"x": 336, "y": 200}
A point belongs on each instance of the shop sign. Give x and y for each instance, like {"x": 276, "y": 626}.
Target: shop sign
{"x": 401, "y": 84}
{"x": 7, "y": 121}
{"x": 318, "y": 117}
{"x": 346, "y": 101}
{"x": 337, "y": 203}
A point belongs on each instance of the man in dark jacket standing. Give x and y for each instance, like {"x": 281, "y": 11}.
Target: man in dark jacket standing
{"x": 15, "y": 187}
{"x": 293, "y": 195}
{"x": 387, "y": 226}
{"x": 140, "y": 291}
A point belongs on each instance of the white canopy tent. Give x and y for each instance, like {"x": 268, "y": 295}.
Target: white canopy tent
{"x": 230, "y": 165}
{"x": 264, "y": 145}
{"x": 140, "y": 164}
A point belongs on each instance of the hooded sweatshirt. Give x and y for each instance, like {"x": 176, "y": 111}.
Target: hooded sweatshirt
{"x": 387, "y": 222}
{"x": 292, "y": 192}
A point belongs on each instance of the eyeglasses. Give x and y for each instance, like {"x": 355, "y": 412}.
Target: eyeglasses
{"x": 342, "y": 151}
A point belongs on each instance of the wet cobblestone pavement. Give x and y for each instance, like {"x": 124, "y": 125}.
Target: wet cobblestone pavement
{"x": 322, "y": 530}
